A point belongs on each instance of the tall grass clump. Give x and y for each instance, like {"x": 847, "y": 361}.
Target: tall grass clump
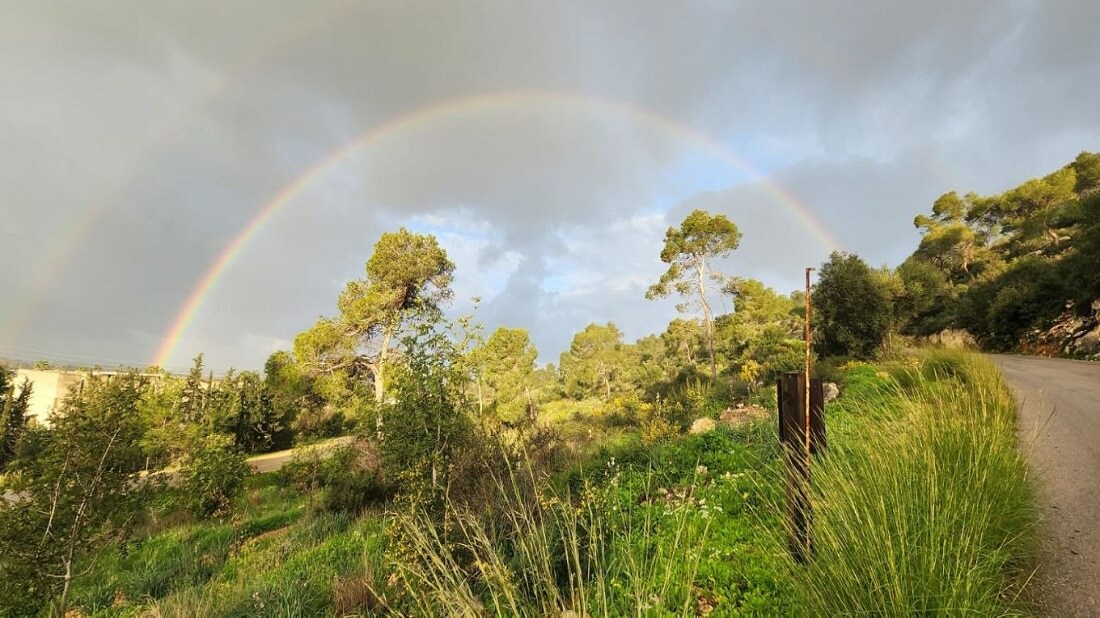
{"x": 930, "y": 510}
{"x": 546, "y": 554}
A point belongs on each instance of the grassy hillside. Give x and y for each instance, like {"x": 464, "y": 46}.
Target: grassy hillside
{"x": 922, "y": 506}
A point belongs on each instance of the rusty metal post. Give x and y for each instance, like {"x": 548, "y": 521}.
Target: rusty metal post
{"x": 802, "y": 431}
{"x": 793, "y": 422}
{"x": 809, "y": 360}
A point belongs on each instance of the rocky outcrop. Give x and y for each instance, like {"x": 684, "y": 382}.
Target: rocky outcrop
{"x": 736, "y": 416}
{"x": 742, "y": 415}
{"x": 1072, "y": 335}
{"x": 952, "y": 339}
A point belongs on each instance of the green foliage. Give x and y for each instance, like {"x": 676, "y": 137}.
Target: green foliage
{"x": 1079, "y": 269}
{"x": 694, "y": 399}
{"x": 213, "y": 474}
{"x": 852, "y": 312}
{"x": 78, "y": 490}
{"x": 13, "y": 415}
{"x": 256, "y": 425}
{"x": 689, "y": 252}
{"x": 428, "y": 425}
{"x": 408, "y": 276}
{"x": 922, "y": 308}
{"x": 998, "y": 311}
{"x": 504, "y": 367}
{"x": 1010, "y": 262}
{"x": 291, "y": 391}
{"x": 592, "y": 365}
{"x": 349, "y": 477}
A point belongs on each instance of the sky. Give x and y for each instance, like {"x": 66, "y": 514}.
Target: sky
{"x": 178, "y": 178}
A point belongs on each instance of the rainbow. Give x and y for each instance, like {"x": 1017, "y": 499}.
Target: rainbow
{"x": 454, "y": 109}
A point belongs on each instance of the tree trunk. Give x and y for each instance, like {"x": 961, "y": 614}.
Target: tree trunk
{"x": 708, "y": 321}
{"x": 63, "y": 605}
{"x": 480, "y": 398}
{"x": 1054, "y": 238}
{"x": 380, "y": 366}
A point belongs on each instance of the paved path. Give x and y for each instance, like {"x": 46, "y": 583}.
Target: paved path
{"x": 267, "y": 462}
{"x": 1059, "y": 404}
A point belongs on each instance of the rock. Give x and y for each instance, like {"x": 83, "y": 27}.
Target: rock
{"x": 703, "y": 425}
{"x": 742, "y": 414}
{"x": 1088, "y": 343}
{"x": 832, "y": 391}
{"x": 1070, "y": 334}
{"x": 952, "y": 339}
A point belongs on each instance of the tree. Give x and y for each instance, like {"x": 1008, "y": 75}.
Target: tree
{"x": 13, "y": 415}
{"x": 852, "y": 310}
{"x": 192, "y": 402}
{"x": 950, "y": 240}
{"x": 763, "y": 333}
{"x": 505, "y": 364}
{"x": 1031, "y": 211}
{"x": 927, "y": 299}
{"x": 592, "y": 360}
{"x": 689, "y": 251}
{"x": 77, "y": 489}
{"x": 429, "y": 429}
{"x": 407, "y": 278}
{"x": 683, "y": 339}
{"x": 257, "y": 424}
{"x": 1087, "y": 167}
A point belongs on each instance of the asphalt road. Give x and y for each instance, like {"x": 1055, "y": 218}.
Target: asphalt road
{"x": 1059, "y": 403}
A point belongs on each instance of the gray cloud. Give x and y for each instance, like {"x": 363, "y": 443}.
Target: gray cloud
{"x": 169, "y": 128}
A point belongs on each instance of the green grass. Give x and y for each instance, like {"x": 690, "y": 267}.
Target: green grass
{"x": 925, "y": 505}
{"x": 667, "y": 530}
{"x": 922, "y": 506}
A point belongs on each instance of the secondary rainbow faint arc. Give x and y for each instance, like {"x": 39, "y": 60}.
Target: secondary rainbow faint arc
{"x": 456, "y": 108}
{"x": 58, "y": 255}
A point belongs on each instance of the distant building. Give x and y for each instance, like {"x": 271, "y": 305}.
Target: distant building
{"x": 49, "y": 387}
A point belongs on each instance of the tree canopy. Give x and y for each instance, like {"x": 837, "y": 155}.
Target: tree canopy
{"x": 408, "y": 277}
{"x": 690, "y": 252}
{"x": 851, "y": 309}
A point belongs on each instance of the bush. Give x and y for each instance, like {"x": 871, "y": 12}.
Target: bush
{"x": 429, "y": 427}
{"x": 352, "y": 479}
{"x": 321, "y": 422}
{"x": 852, "y": 308}
{"x": 999, "y": 311}
{"x": 213, "y": 475}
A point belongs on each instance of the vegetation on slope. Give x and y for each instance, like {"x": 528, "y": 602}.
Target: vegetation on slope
{"x": 480, "y": 483}
{"x": 927, "y": 508}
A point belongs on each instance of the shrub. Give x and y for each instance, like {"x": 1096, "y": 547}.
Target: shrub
{"x": 347, "y": 479}
{"x": 320, "y": 422}
{"x": 352, "y": 478}
{"x": 213, "y": 475}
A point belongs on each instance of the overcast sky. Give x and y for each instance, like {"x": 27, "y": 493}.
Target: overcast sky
{"x": 547, "y": 145}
